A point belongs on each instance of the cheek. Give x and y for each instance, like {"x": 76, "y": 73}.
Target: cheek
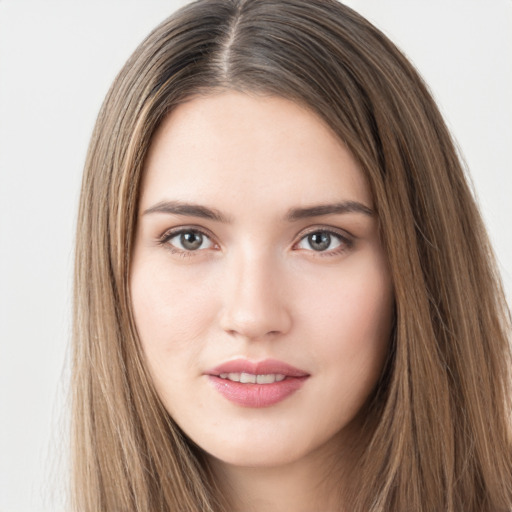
{"x": 353, "y": 317}
{"x": 355, "y": 303}
{"x": 172, "y": 315}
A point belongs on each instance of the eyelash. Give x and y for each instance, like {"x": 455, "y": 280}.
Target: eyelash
{"x": 169, "y": 235}
{"x": 346, "y": 241}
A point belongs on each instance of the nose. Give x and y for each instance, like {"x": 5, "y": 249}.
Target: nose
{"x": 255, "y": 303}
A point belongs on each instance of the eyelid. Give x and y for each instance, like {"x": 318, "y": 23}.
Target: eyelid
{"x": 172, "y": 232}
{"x": 343, "y": 233}
{"x": 347, "y": 239}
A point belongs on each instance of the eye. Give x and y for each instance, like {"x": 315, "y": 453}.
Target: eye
{"x": 188, "y": 240}
{"x": 324, "y": 241}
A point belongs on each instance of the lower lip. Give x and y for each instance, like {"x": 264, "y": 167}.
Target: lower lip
{"x": 257, "y": 395}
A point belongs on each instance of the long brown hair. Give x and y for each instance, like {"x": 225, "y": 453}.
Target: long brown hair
{"x": 439, "y": 438}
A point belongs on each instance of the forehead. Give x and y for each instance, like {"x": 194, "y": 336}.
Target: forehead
{"x": 258, "y": 149}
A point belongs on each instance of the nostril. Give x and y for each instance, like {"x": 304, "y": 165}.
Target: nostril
{"x": 253, "y": 306}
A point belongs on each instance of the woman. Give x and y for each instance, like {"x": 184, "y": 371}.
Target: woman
{"x": 285, "y": 297}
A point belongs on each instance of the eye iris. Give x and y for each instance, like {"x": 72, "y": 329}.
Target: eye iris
{"x": 191, "y": 240}
{"x": 319, "y": 241}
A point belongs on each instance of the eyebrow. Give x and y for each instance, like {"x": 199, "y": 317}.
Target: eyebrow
{"x": 189, "y": 209}
{"x": 293, "y": 214}
{"x": 328, "y": 209}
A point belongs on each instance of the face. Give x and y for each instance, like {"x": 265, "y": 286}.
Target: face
{"x": 260, "y": 289}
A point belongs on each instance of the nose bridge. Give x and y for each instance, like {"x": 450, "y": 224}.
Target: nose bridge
{"x": 255, "y": 303}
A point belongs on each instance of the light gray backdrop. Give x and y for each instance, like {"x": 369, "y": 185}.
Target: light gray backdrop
{"x": 57, "y": 59}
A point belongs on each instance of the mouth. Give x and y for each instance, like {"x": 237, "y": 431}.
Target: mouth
{"x": 256, "y": 384}
{"x": 249, "y": 378}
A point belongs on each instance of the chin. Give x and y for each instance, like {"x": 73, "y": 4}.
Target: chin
{"x": 268, "y": 448}
{"x": 255, "y": 456}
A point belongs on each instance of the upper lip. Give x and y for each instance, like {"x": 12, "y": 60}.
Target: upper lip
{"x": 266, "y": 367}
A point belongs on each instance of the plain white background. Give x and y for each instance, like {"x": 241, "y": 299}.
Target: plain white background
{"x": 57, "y": 60}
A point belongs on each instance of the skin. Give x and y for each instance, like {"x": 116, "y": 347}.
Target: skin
{"x": 256, "y": 288}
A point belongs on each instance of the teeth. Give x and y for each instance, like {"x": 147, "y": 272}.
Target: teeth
{"x": 265, "y": 379}
{"x": 249, "y": 378}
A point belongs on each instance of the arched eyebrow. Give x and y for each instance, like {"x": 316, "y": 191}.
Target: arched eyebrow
{"x": 293, "y": 214}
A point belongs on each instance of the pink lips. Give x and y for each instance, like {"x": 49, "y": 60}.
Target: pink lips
{"x": 257, "y": 395}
